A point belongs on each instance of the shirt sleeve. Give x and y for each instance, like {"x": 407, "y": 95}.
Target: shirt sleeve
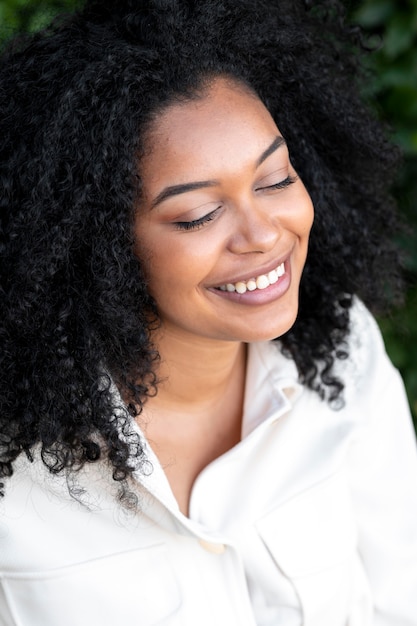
{"x": 383, "y": 474}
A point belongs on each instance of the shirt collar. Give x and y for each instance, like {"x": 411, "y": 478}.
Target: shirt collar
{"x": 272, "y": 386}
{"x": 271, "y": 389}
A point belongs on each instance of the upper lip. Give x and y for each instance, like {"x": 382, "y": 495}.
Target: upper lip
{"x": 265, "y": 269}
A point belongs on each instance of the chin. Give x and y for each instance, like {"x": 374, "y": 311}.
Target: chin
{"x": 271, "y": 330}
{"x": 277, "y": 325}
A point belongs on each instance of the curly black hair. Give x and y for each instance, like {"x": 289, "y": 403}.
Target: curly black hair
{"x": 75, "y": 103}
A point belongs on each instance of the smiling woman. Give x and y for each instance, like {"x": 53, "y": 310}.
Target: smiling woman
{"x": 217, "y": 168}
{"x": 199, "y": 422}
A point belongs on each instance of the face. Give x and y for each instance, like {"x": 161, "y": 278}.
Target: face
{"x": 223, "y": 225}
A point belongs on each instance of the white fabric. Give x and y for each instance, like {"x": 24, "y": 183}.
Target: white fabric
{"x": 311, "y": 520}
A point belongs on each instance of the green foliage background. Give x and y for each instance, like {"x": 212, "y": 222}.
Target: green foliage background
{"x": 391, "y": 27}
{"x": 392, "y": 24}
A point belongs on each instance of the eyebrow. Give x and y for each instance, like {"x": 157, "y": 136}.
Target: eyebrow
{"x": 175, "y": 190}
{"x": 277, "y": 143}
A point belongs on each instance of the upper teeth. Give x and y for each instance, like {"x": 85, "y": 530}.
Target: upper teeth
{"x": 260, "y": 282}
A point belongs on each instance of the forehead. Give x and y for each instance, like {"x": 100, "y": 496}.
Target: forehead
{"x": 227, "y": 122}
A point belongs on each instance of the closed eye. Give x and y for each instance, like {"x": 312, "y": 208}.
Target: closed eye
{"x": 196, "y": 224}
{"x": 201, "y": 221}
{"x": 281, "y": 185}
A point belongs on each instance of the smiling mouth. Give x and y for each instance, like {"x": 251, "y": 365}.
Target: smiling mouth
{"x": 259, "y": 282}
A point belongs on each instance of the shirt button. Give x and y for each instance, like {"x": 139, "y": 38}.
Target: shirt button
{"x": 214, "y": 548}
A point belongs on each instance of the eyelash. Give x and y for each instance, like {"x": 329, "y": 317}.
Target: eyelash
{"x": 196, "y": 224}
{"x": 281, "y": 185}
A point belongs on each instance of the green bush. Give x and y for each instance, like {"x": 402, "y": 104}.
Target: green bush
{"x": 29, "y": 15}
{"x": 392, "y": 27}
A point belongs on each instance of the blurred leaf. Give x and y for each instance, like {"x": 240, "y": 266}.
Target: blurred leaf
{"x": 399, "y": 35}
{"x": 407, "y": 140}
{"x": 30, "y": 15}
{"x": 401, "y": 104}
{"x": 373, "y": 14}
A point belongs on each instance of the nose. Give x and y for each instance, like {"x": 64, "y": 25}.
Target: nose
{"x": 256, "y": 229}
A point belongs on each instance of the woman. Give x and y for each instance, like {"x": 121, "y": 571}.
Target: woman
{"x": 199, "y": 421}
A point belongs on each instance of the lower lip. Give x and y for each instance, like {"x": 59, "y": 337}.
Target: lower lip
{"x": 259, "y": 296}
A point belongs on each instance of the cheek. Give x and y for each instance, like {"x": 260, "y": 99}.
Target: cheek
{"x": 297, "y": 215}
{"x": 306, "y": 217}
{"x": 309, "y": 220}
{"x": 172, "y": 266}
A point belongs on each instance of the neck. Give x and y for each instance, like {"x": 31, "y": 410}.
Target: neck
{"x": 196, "y": 415}
{"x": 196, "y": 372}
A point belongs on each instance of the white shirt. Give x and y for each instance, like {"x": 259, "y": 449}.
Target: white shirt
{"x": 310, "y": 520}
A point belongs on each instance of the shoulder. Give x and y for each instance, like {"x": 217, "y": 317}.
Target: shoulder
{"x": 364, "y": 334}
{"x": 372, "y": 384}
{"x": 365, "y": 342}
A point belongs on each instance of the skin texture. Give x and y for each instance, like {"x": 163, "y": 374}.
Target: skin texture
{"x": 228, "y": 141}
